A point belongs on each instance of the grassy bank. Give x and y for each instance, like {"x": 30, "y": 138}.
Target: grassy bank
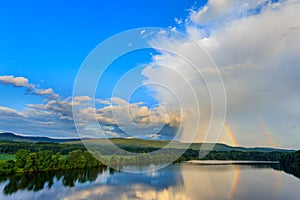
{"x": 5, "y": 157}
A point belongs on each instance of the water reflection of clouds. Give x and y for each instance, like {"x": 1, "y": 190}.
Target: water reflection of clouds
{"x": 186, "y": 182}
{"x": 190, "y": 182}
{"x": 137, "y": 191}
{"x": 162, "y": 178}
{"x": 200, "y": 183}
{"x": 181, "y": 181}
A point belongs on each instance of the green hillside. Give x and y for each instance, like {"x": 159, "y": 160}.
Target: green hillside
{"x": 21, "y": 138}
{"x": 174, "y": 144}
{"x": 130, "y": 142}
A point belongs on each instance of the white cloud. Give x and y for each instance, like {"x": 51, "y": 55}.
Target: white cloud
{"x": 178, "y": 21}
{"x": 16, "y": 81}
{"x": 7, "y": 110}
{"x": 257, "y": 54}
{"x": 223, "y": 10}
{"x": 142, "y": 32}
{"x": 44, "y": 92}
{"x": 117, "y": 118}
{"x": 123, "y": 113}
{"x": 82, "y": 98}
{"x": 24, "y": 82}
{"x": 132, "y": 119}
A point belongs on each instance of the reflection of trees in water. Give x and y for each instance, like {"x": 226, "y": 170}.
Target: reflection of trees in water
{"x": 283, "y": 167}
{"x": 38, "y": 180}
{"x": 290, "y": 170}
{"x": 291, "y": 164}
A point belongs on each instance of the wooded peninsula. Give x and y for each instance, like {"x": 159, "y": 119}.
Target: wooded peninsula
{"x": 26, "y": 157}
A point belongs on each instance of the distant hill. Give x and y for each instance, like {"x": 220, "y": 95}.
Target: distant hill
{"x": 174, "y": 144}
{"x": 137, "y": 143}
{"x": 225, "y": 147}
{"x": 20, "y": 138}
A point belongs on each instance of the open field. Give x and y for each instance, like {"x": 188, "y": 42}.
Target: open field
{"x": 4, "y": 156}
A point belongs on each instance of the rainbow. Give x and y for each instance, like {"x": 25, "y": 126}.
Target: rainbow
{"x": 235, "y": 181}
{"x": 237, "y": 167}
{"x": 231, "y": 135}
{"x": 270, "y": 141}
{"x": 267, "y": 133}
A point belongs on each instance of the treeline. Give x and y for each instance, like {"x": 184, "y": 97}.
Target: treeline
{"x": 142, "y": 159}
{"x": 31, "y": 157}
{"x": 27, "y": 161}
{"x": 232, "y": 155}
{"x": 64, "y": 149}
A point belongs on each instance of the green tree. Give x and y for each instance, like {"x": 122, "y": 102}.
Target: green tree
{"x": 54, "y": 161}
{"x": 7, "y": 167}
{"x": 90, "y": 160}
{"x": 143, "y": 159}
{"x": 75, "y": 159}
{"x": 44, "y": 159}
{"x": 31, "y": 162}
{"x": 61, "y": 164}
{"x": 115, "y": 160}
{"x": 21, "y": 157}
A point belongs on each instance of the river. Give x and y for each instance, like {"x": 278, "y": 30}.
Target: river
{"x": 177, "y": 181}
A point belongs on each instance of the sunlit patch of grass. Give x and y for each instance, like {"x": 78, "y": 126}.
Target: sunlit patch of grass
{"x": 4, "y": 156}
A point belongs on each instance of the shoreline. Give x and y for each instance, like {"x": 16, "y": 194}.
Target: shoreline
{"x": 228, "y": 162}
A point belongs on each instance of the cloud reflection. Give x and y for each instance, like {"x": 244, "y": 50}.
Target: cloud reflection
{"x": 181, "y": 181}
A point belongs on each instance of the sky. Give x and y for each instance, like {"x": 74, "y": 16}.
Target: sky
{"x": 250, "y": 49}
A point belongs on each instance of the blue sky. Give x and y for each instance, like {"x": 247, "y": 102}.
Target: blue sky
{"x": 253, "y": 44}
{"x": 44, "y": 38}
{"x": 47, "y": 41}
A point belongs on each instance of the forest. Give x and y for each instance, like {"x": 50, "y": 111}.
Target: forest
{"x": 20, "y": 157}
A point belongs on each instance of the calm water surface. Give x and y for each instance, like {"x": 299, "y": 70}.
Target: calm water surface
{"x": 178, "y": 181}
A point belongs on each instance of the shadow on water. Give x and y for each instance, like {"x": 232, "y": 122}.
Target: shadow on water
{"x": 280, "y": 167}
{"x": 39, "y": 180}
{"x": 287, "y": 169}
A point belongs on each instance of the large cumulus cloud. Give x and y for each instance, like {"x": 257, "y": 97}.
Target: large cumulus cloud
{"x": 257, "y": 53}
